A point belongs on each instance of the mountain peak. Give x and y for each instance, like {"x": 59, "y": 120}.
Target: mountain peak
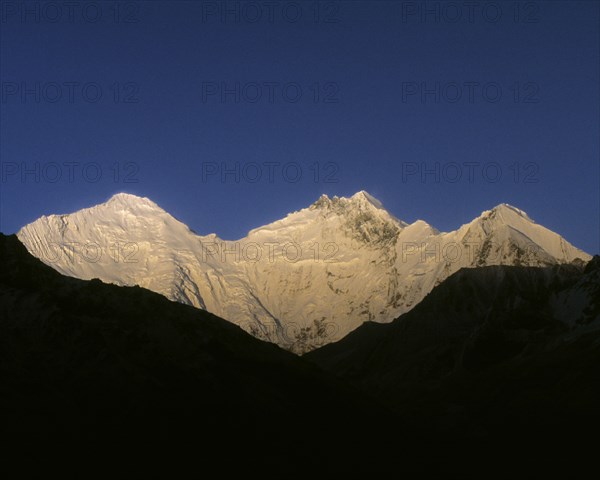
{"x": 364, "y": 196}
{"x": 506, "y": 214}
{"x": 358, "y": 204}
{"x": 359, "y": 198}
{"x": 505, "y": 207}
{"x": 131, "y": 202}
{"x": 123, "y": 197}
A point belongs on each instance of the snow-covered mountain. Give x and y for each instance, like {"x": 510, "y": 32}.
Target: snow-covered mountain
{"x": 302, "y": 281}
{"x": 484, "y": 344}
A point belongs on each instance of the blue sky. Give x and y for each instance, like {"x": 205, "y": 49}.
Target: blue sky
{"x": 230, "y": 119}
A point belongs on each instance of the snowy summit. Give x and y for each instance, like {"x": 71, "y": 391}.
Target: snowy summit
{"x": 307, "y": 279}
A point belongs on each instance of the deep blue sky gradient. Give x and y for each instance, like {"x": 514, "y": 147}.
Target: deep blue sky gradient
{"x": 366, "y": 140}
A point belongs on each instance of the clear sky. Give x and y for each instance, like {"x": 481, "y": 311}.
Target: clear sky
{"x": 214, "y": 109}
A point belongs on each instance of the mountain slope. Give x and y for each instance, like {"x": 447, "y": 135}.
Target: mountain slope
{"x": 492, "y": 353}
{"x": 295, "y": 281}
{"x": 82, "y": 362}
